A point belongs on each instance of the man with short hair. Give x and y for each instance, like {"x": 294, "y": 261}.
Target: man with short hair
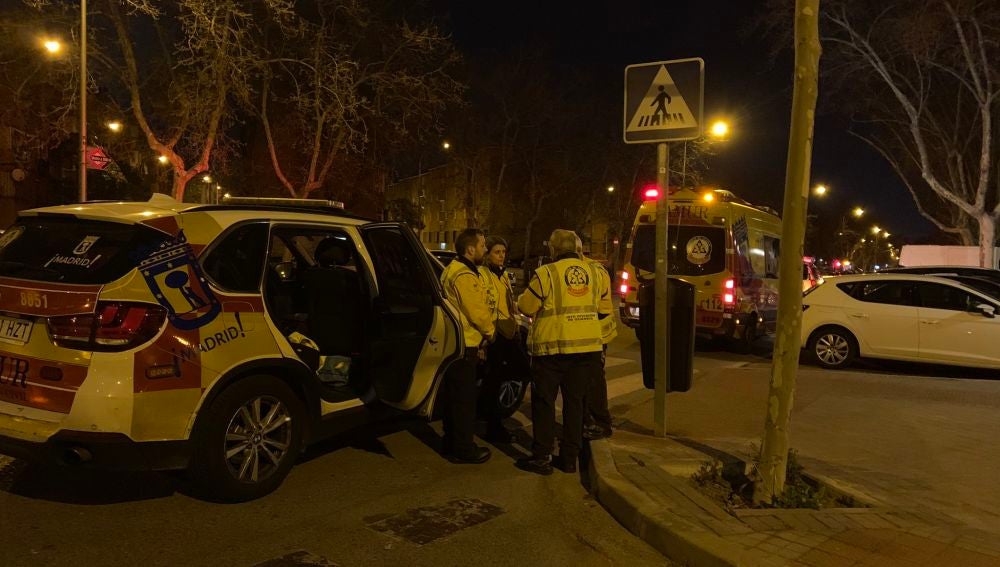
{"x": 464, "y": 288}
{"x": 564, "y": 298}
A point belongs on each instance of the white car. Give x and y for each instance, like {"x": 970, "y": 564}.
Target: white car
{"x": 902, "y": 317}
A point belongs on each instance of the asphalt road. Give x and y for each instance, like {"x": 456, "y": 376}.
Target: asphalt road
{"x": 381, "y": 497}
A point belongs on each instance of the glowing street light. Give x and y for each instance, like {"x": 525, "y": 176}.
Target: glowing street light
{"x": 114, "y": 126}
{"x": 858, "y": 212}
{"x": 820, "y": 190}
{"x": 446, "y": 145}
{"x": 207, "y": 178}
{"x": 876, "y": 230}
{"x": 611, "y": 188}
{"x": 719, "y": 129}
{"x": 161, "y": 159}
{"x": 53, "y": 46}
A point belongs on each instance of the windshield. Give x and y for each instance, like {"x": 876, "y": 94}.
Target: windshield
{"x": 693, "y": 251}
{"x": 70, "y": 250}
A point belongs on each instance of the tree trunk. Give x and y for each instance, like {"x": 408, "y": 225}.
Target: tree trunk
{"x": 179, "y": 185}
{"x": 772, "y": 467}
{"x": 987, "y": 240}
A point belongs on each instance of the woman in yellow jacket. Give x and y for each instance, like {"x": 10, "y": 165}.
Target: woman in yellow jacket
{"x": 507, "y": 366}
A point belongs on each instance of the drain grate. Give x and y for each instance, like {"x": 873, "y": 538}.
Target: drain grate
{"x": 426, "y": 524}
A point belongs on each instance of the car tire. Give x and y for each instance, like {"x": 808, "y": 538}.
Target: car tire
{"x": 833, "y": 347}
{"x": 266, "y": 418}
{"x": 511, "y": 396}
{"x": 745, "y": 342}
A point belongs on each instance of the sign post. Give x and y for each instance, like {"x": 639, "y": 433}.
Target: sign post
{"x": 664, "y": 103}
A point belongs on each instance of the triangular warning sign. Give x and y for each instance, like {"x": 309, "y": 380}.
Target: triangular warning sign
{"x": 663, "y": 107}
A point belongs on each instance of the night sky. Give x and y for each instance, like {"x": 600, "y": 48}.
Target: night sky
{"x": 743, "y": 83}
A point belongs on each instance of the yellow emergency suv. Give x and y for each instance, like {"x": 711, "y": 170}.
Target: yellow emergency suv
{"x": 725, "y": 247}
{"x": 216, "y": 338}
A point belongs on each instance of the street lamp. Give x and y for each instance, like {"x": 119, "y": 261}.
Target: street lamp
{"x": 207, "y": 178}
{"x": 858, "y": 212}
{"x": 53, "y": 46}
{"x": 820, "y": 190}
{"x": 161, "y": 158}
{"x": 719, "y": 130}
{"x": 446, "y": 145}
{"x": 611, "y": 188}
{"x": 114, "y": 126}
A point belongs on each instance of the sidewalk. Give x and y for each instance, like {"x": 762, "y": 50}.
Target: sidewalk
{"x": 920, "y": 514}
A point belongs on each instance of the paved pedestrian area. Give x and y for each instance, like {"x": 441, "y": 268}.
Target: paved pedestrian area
{"x": 930, "y": 482}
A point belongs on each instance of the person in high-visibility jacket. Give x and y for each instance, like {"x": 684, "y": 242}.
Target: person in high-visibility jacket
{"x": 507, "y": 365}
{"x": 597, "y": 416}
{"x": 464, "y": 287}
{"x": 564, "y": 299}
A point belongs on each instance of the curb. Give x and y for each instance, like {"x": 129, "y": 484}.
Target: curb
{"x": 665, "y": 531}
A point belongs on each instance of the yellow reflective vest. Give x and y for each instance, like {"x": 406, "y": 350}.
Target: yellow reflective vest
{"x": 500, "y": 298}
{"x": 609, "y": 328}
{"x": 464, "y": 288}
{"x": 563, "y": 298}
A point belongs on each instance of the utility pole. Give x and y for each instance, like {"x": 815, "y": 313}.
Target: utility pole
{"x": 662, "y": 315}
{"x": 83, "y": 100}
{"x": 785, "y": 363}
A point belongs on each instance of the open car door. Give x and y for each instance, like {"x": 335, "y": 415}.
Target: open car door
{"x": 415, "y": 333}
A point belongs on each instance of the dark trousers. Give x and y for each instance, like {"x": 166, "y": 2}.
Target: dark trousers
{"x": 460, "y": 404}
{"x": 569, "y": 374}
{"x": 598, "y": 412}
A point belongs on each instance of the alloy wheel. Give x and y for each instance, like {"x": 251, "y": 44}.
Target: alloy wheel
{"x": 510, "y": 393}
{"x": 833, "y": 349}
{"x": 258, "y": 438}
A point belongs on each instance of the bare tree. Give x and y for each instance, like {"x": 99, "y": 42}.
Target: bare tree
{"x": 182, "y": 88}
{"x": 347, "y": 70}
{"x": 939, "y": 64}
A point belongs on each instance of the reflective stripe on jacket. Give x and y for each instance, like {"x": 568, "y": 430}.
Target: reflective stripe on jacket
{"x": 564, "y": 298}
{"x": 609, "y": 327}
{"x": 467, "y": 293}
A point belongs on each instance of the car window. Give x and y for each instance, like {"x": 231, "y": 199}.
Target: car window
{"x": 693, "y": 251}
{"x": 66, "y": 249}
{"x": 399, "y": 269}
{"x": 236, "y": 262}
{"x": 886, "y": 292}
{"x": 940, "y": 296}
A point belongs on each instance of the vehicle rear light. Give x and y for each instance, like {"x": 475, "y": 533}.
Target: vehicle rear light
{"x": 728, "y": 299}
{"x": 115, "y": 326}
{"x": 624, "y": 276}
{"x": 624, "y": 289}
{"x": 730, "y": 284}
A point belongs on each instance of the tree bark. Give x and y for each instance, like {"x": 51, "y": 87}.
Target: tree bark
{"x": 987, "y": 240}
{"x": 772, "y": 467}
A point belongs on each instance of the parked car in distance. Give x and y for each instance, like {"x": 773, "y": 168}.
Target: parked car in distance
{"x": 901, "y": 317}
{"x": 444, "y": 255}
{"x": 987, "y": 273}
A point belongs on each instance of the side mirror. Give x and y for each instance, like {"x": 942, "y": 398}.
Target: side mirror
{"x": 987, "y": 311}
{"x": 285, "y": 271}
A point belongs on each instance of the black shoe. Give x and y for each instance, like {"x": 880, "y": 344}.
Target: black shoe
{"x": 537, "y": 465}
{"x": 595, "y": 432}
{"x": 566, "y": 464}
{"x": 501, "y": 436}
{"x": 477, "y": 456}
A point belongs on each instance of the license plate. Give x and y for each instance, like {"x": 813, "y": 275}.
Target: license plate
{"x": 13, "y": 330}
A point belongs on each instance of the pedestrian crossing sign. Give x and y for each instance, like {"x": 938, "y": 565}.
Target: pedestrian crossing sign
{"x": 663, "y": 101}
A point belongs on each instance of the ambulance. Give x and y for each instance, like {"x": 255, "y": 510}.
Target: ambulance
{"x": 221, "y": 339}
{"x": 725, "y": 247}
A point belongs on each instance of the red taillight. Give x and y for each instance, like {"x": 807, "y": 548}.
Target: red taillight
{"x": 730, "y": 284}
{"x": 651, "y": 194}
{"x": 728, "y": 299}
{"x": 115, "y": 326}
{"x": 624, "y": 289}
{"x": 624, "y": 276}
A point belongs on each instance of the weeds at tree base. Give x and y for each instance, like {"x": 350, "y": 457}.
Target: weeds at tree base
{"x": 730, "y": 486}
